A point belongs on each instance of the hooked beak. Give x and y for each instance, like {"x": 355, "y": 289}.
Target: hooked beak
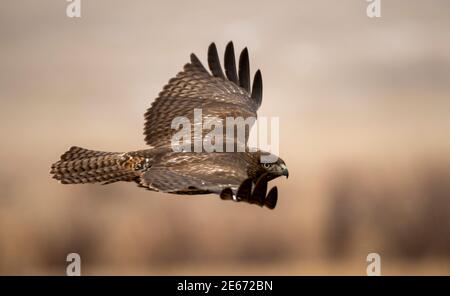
{"x": 285, "y": 171}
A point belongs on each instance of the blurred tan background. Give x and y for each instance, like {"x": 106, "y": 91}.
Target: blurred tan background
{"x": 364, "y": 116}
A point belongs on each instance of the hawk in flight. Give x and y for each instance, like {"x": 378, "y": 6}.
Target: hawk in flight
{"x": 238, "y": 176}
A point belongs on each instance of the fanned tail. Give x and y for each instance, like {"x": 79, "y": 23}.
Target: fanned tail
{"x": 79, "y": 165}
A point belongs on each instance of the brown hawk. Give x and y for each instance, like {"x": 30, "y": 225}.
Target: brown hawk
{"x": 238, "y": 176}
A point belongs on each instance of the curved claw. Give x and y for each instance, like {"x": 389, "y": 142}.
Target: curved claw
{"x": 257, "y": 88}
{"x": 244, "y": 70}
{"x": 272, "y": 198}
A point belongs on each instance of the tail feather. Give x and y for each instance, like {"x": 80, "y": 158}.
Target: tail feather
{"x": 79, "y": 165}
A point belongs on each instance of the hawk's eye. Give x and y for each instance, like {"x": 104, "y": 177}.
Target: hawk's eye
{"x": 267, "y": 165}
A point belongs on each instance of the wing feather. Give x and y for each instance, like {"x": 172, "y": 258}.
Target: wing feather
{"x": 214, "y": 62}
{"x": 244, "y": 70}
{"x": 257, "y": 89}
{"x": 195, "y": 88}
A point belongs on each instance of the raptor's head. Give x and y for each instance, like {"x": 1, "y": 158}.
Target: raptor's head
{"x": 275, "y": 169}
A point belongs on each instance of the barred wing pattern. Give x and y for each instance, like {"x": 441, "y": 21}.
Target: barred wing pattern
{"x": 197, "y": 173}
{"x": 218, "y": 95}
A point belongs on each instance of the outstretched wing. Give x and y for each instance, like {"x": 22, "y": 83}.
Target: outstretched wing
{"x": 194, "y": 173}
{"x": 218, "y": 95}
{"x": 225, "y": 174}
